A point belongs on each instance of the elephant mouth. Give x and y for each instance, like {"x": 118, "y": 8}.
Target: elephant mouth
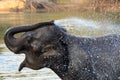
{"x": 25, "y": 64}
{"x": 18, "y": 51}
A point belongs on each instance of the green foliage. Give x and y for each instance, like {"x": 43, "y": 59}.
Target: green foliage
{"x": 3, "y": 29}
{"x": 63, "y": 1}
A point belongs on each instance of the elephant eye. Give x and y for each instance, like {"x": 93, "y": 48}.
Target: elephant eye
{"x": 47, "y": 48}
{"x": 29, "y": 39}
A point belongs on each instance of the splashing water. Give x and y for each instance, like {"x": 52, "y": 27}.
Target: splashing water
{"x": 84, "y": 27}
{"x": 77, "y": 22}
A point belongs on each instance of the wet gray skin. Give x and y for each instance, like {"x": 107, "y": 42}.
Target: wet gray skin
{"x": 71, "y": 58}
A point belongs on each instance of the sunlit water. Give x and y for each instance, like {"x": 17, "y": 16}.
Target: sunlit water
{"x": 10, "y": 62}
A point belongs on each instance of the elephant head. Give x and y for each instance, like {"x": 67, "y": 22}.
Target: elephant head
{"x": 41, "y": 43}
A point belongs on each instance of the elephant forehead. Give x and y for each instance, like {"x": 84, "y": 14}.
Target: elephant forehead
{"x": 44, "y": 34}
{"x": 41, "y": 34}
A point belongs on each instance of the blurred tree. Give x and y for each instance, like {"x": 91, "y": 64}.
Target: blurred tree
{"x": 45, "y": 5}
{"x": 58, "y": 5}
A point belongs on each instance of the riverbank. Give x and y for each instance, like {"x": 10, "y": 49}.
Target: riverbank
{"x": 49, "y": 6}
{"x": 7, "y": 5}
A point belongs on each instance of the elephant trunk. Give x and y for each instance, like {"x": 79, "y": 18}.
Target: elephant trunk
{"x": 14, "y": 43}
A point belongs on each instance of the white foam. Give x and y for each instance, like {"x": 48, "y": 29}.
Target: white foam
{"x": 77, "y": 22}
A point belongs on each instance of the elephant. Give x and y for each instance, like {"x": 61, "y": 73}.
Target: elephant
{"x": 47, "y": 44}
